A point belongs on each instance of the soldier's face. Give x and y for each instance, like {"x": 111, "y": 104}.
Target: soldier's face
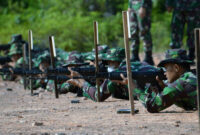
{"x": 43, "y": 66}
{"x": 112, "y": 65}
{"x": 171, "y": 72}
{"x": 15, "y": 57}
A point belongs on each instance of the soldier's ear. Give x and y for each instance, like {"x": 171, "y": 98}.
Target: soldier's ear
{"x": 176, "y": 67}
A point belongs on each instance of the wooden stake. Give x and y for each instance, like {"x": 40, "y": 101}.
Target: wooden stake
{"x": 24, "y": 64}
{"x": 128, "y": 64}
{"x": 53, "y": 56}
{"x": 197, "y": 49}
{"x": 30, "y": 48}
{"x": 96, "y": 43}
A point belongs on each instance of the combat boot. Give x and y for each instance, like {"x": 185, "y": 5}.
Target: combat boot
{"x": 148, "y": 58}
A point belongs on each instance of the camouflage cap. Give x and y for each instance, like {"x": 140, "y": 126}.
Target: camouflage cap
{"x": 91, "y": 55}
{"x": 114, "y": 54}
{"x": 45, "y": 56}
{"x": 178, "y": 56}
{"x": 16, "y": 38}
{"x": 74, "y": 58}
{"x": 15, "y": 49}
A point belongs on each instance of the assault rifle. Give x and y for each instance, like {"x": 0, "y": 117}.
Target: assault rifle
{"x": 4, "y": 60}
{"x": 84, "y": 71}
{"x": 143, "y": 75}
{"x": 4, "y": 47}
{"x": 20, "y": 71}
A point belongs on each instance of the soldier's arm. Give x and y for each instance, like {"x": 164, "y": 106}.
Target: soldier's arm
{"x": 173, "y": 93}
{"x": 90, "y": 91}
{"x": 156, "y": 102}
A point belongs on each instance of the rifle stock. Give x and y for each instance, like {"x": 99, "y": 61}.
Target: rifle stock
{"x": 4, "y": 47}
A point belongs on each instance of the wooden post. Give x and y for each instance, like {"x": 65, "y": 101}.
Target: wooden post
{"x": 128, "y": 65}
{"x": 30, "y": 48}
{"x": 24, "y": 64}
{"x": 197, "y": 49}
{"x": 96, "y": 43}
{"x": 53, "y": 56}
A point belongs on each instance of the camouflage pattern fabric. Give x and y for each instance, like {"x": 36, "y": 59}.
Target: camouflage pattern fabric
{"x": 185, "y": 12}
{"x": 61, "y": 54}
{"x": 182, "y": 93}
{"x": 140, "y": 27}
{"x": 184, "y": 5}
{"x": 66, "y": 87}
{"x": 63, "y": 88}
{"x": 91, "y": 55}
{"x": 114, "y": 54}
{"x": 74, "y": 58}
{"x": 15, "y": 48}
{"x": 50, "y": 86}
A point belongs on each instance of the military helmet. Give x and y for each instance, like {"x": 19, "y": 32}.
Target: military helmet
{"x": 15, "y": 49}
{"x": 114, "y": 54}
{"x": 177, "y": 56}
{"x": 16, "y": 38}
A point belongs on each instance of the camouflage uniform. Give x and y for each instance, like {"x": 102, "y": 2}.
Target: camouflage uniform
{"x": 37, "y": 60}
{"x": 89, "y": 90}
{"x": 16, "y": 48}
{"x": 74, "y": 58}
{"x": 181, "y": 92}
{"x": 141, "y": 27}
{"x": 185, "y": 12}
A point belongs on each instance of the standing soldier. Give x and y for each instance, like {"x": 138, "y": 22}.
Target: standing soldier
{"x": 184, "y": 12}
{"x": 140, "y": 25}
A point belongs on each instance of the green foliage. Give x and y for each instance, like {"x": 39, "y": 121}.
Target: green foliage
{"x": 71, "y": 22}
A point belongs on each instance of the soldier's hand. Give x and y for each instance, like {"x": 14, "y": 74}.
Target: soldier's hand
{"x": 142, "y": 12}
{"x": 73, "y": 73}
{"x": 77, "y": 82}
{"x": 124, "y": 80}
{"x": 160, "y": 82}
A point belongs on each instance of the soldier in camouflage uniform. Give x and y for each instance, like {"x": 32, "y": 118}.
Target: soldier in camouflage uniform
{"x": 42, "y": 62}
{"x": 180, "y": 88}
{"x": 77, "y": 59}
{"x": 74, "y": 59}
{"x": 114, "y": 57}
{"x": 140, "y": 25}
{"x": 184, "y": 12}
{"x": 15, "y": 53}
